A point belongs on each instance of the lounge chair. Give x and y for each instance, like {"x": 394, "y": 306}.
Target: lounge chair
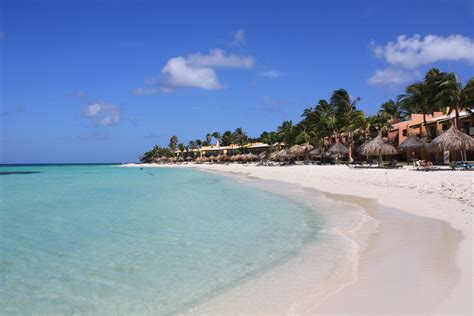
{"x": 392, "y": 165}
{"x": 461, "y": 165}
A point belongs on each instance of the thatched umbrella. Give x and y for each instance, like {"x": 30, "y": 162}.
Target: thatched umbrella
{"x": 225, "y": 158}
{"x": 300, "y": 150}
{"x": 189, "y": 158}
{"x": 296, "y": 150}
{"x": 316, "y": 152}
{"x": 453, "y": 140}
{"x": 235, "y": 158}
{"x": 378, "y": 147}
{"x": 273, "y": 156}
{"x": 252, "y": 157}
{"x": 282, "y": 155}
{"x": 307, "y": 148}
{"x": 412, "y": 143}
{"x": 338, "y": 150}
{"x": 180, "y": 159}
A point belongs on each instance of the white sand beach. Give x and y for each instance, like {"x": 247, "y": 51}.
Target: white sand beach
{"x": 418, "y": 262}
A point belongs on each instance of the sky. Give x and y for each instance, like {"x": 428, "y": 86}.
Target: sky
{"x": 103, "y": 81}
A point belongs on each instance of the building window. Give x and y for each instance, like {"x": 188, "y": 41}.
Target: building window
{"x": 445, "y": 127}
{"x": 433, "y": 131}
{"x": 404, "y": 132}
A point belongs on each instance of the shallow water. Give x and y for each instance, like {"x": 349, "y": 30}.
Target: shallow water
{"x": 103, "y": 239}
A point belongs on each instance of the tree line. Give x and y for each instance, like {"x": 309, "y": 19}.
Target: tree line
{"x": 330, "y": 119}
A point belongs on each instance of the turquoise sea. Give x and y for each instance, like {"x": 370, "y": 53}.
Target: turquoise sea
{"x": 100, "y": 239}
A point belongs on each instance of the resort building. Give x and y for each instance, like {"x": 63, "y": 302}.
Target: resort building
{"x": 433, "y": 125}
{"x": 217, "y": 149}
{"x": 436, "y": 123}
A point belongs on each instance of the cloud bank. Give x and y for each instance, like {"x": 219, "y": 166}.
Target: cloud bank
{"x": 405, "y": 55}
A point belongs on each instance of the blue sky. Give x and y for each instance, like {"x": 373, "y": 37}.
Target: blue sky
{"x": 103, "y": 81}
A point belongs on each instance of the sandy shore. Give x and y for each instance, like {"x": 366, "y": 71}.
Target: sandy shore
{"x": 420, "y": 259}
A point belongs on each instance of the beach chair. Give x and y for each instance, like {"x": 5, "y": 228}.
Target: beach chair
{"x": 392, "y": 165}
{"x": 461, "y": 165}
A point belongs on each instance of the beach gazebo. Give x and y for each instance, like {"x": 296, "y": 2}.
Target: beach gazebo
{"x": 378, "y": 147}
{"x": 452, "y": 140}
{"x": 338, "y": 150}
{"x": 315, "y": 152}
{"x": 295, "y": 150}
{"x": 282, "y": 155}
{"x": 360, "y": 149}
{"x": 273, "y": 156}
{"x": 410, "y": 144}
{"x": 299, "y": 150}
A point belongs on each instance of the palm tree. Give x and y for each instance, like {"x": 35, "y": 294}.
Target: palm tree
{"x": 208, "y": 139}
{"x": 217, "y": 136}
{"x": 173, "y": 143}
{"x": 227, "y": 138}
{"x": 346, "y": 115}
{"x": 343, "y": 106}
{"x": 451, "y": 93}
{"x": 269, "y": 138}
{"x": 241, "y": 138}
{"x": 391, "y": 109}
{"x": 285, "y": 133}
{"x": 181, "y": 148}
{"x": 355, "y": 119}
{"x": 418, "y": 99}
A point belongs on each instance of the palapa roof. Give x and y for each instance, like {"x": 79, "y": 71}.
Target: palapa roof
{"x": 378, "y": 146}
{"x": 273, "y": 156}
{"x": 452, "y": 140}
{"x": 360, "y": 149}
{"x": 251, "y": 156}
{"x": 411, "y": 143}
{"x": 315, "y": 152}
{"x": 282, "y": 154}
{"x": 299, "y": 150}
{"x": 296, "y": 150}
{"x": 338, "y": 149}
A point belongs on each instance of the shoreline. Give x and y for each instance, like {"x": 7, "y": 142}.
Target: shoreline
{"x": 409, "y": 200}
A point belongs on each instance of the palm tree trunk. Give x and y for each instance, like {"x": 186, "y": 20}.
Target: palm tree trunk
{"x": 456, "y": 121}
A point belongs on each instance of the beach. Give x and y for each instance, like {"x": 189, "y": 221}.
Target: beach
{"x": 419, "y": 259}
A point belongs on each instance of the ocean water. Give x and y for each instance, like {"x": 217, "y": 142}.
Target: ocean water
{"x": 108, "y": 240}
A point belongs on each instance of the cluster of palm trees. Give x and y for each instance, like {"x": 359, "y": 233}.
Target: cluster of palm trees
{"x": 338, "y": 119}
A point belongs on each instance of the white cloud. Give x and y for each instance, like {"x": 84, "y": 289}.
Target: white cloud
{"x": 179, "y": 72}
{"x": 412, "y": 52}
{"x": 392, "y": 77}
{"x": 272, "y": 74}
{"x": 218, "y": 58}
{"x": 238, "y": 38}
{"x": 196, "y": 71}
{"x": 103, "y": 114}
